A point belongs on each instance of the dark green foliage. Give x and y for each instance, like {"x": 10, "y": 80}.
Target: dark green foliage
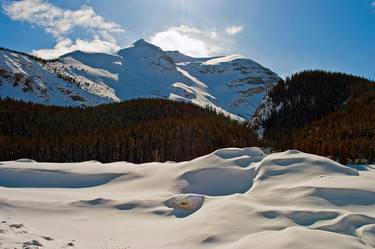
{"x": 136, "y": 131}
{"x": 330, "y": 114}
{"x": 347, "y": 134}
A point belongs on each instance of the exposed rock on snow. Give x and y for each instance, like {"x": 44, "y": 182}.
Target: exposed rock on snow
{"x": 184, "y": 205}
{"x": 367, "y": 234}
{"x": 230, "y": 199}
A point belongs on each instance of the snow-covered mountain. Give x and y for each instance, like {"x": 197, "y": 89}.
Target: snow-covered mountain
{"x": 28, "y": 78}
{"x": 233, "y": 85}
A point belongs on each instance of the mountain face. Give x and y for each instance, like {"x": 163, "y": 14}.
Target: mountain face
{"x": 232, "y": 85}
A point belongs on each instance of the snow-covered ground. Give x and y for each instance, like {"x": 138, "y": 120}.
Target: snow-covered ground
{"x": 230, "y": 199}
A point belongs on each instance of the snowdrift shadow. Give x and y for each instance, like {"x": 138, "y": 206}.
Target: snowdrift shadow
{"x": 92, "y": 203}
{"x": 308, "y": 218}
{"x": 302, "y": 218}
{"x": 17, "y": 178}
{"x": 218, "y": 181}
{"x": 345, "y": 197}
{"x": 348, "y": 224}
{"x": 230, "y": 153}
{"x": 106, "y": 203}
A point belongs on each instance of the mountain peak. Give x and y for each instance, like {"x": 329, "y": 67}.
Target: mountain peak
{"x": 138, "y": 47}
{"x": 143, "y": 43}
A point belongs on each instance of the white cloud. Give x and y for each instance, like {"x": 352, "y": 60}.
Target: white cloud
{"x": 61, "y": 22}
{"x": 66, "y": 45}
{"x": 196, "y": 42}
{"x": 234, "y": 29}
{"x": 188, "y": 40}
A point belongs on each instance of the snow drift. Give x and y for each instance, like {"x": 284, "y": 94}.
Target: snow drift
{"x": 232, "y": 199}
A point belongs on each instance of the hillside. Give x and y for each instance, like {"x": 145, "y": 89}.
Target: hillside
{"x": 233, "y": 85}
{"x": 330, "y": 114}
{"x": 139, "y": 130}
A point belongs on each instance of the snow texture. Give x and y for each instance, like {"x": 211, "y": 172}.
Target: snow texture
{"x": 230, "y": 199}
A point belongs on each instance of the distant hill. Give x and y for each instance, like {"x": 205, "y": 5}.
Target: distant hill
{"x": 325, "y": 113}
{"x": 141, "y": 130}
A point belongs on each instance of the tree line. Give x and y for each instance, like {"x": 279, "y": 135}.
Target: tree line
{"x": 137, "y": 131}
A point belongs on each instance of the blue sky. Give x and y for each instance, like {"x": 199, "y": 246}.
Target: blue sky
{"x": 284, "y": 35}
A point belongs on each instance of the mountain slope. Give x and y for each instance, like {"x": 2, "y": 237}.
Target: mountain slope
{"x": 25, "y": 77}
{"x": 232, "y": 85}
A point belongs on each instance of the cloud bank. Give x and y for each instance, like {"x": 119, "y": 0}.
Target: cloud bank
{"x": 195, "y": 42}
{"x": 188, "y": 40}
{"x": 61, "y": 22}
